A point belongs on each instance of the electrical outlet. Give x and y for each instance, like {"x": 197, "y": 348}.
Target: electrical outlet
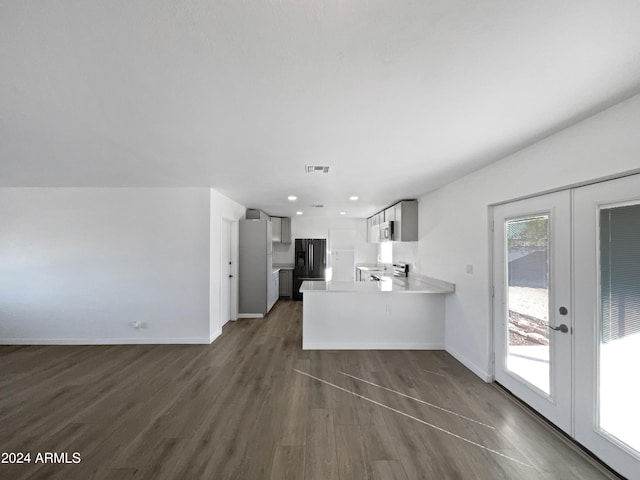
{"x": 137, "y": 325}
{"x": 469, "y": 268}
{"x": 388, "y": 309}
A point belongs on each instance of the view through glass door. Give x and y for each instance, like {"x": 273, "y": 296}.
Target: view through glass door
{"x": 607, "y": 298}
{"x": 532, "y": 318}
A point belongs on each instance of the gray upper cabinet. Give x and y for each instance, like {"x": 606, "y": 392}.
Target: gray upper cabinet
{"x": 406, "y": 221}
{"x": 404, "y": 214}
{"x": 276, "y": 225}
{"x": 390, "y": 214}
{"x": 281, "y": 229}
{"x": 255, "y": 214}
{"x": 285, "y": 235}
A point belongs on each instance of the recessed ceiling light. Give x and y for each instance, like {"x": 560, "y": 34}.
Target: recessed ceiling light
{"x": 292, "y": 198}
{"x": 343, "y": 213}
{"x": 353, "y": 197}
{"x": 298, "y": 213}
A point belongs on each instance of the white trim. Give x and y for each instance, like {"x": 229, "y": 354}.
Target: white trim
{"x": 215, "y": 335}
{"x": 224, "y": 272}
{"x": 490, "y": 345}
{"x": 370, "y": 346}
{"x": 250, "y": 315}
{"x": 105, "y": 341}
{"x": 486, "y": 377}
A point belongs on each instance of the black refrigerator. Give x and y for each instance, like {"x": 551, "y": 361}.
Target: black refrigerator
{"x": 310, "y": 261}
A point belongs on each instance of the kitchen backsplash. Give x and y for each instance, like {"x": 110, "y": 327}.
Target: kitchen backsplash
{"x": 405, "y": 252}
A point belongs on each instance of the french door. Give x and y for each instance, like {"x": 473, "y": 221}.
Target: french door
{"x": 607, "y": 342}
{"x": 567, "y": 313}
{"x": 532, "y": 295}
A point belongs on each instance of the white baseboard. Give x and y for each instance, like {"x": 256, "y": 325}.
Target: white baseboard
{"x": 371, "y": 346}
{"x": 250, "y": 315}
{"x": 215, "y": 335}
{"x": 470, "y": 365}
{"x": 105, "y": 341}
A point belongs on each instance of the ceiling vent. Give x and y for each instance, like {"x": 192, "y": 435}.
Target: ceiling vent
{"x": 317, "y": 206}
{"x": 316, "y": 169}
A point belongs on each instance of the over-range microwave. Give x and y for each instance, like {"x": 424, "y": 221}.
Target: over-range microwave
{"x": 386, "y": 231}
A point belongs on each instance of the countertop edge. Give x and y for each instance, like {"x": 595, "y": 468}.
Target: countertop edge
{"x": 434, "y": 287}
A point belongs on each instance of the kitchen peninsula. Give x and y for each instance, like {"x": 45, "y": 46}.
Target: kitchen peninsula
{"x": 393, "y": 314}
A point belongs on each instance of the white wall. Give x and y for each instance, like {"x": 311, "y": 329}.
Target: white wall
{"x": 318, "y": 227}
{"x": 454, "y": 219}
{"x": 77, "y": 265}
{"x": 222, "y": 208}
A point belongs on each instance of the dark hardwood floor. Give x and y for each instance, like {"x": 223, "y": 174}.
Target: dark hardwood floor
{"x": 246, "y": 408}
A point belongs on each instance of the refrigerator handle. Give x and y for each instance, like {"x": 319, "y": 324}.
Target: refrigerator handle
{"x": 324, "y": 258}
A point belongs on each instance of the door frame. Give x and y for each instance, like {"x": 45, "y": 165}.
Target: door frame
{"x": 558, "y": 403}
{"x": 233, "y": 284}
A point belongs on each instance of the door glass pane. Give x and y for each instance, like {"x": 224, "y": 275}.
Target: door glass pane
{"x": 619, "y": 356}
{"x": 528, "y": 299}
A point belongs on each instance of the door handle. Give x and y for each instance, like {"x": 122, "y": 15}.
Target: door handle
{"x": 560, "y": 328}
{"x": 230, "y": 276}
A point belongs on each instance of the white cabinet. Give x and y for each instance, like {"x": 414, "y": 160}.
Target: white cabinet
{"x": 274, "y": 288}
{"x": 276, "y": 285}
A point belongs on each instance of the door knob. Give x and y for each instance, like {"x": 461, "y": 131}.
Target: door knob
{"x": 230, "y": 276}
{"x": 561, "y": 328}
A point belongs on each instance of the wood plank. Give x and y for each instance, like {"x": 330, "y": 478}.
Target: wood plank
{"x": 320, "y": 456}
{"x": 350, "y": 449}
{"x": 288, "y": 463}
{"x": 387, "y": 470}
{"x": 236, "y": 409}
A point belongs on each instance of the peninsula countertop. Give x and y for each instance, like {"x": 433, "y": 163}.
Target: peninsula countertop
{"x": 387, "y": 284}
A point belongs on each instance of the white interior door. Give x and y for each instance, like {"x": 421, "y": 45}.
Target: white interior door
{"x": 607, "y": 299}
{"x": 226, "y": 272}
{"x": 532, "y": 310}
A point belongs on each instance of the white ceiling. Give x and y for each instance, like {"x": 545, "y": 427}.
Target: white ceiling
{"x": 399, "y": 96}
